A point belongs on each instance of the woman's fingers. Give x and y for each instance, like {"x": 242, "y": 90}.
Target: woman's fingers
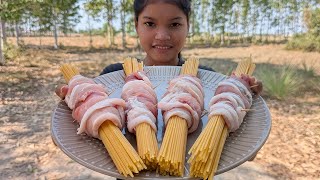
{"x": 257, "y": 87}
{"x": 62, "y": 90}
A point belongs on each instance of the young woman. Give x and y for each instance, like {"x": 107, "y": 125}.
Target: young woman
{"x": 162, "y": 27}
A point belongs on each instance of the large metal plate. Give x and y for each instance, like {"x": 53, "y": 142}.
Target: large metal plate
{"x": 240, "y": 146}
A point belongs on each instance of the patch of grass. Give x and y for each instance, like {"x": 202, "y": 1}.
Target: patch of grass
{"x": 280, "y": 83}
{"x": 313, "y": 85}
{"x": 308, "y": 70}
{"x": 311, "y": 81}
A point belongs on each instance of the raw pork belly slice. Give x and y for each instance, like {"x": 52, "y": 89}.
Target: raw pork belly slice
{"x": 141, "y": 101}
{"x": 91, "y": 105}
{"x": 231, "y": 97}
{"x": 111, "y": 109}
{"x": 188, "y": 85}
{"x": 82, "y": 91}
{"x": 79, "y": 88}
{"x": 140, "y": 75}
{"x": 184, "y": 98}
{"x": 92, "y": 99}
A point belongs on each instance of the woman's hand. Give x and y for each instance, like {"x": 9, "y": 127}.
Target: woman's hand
{"x": 62, "y": 90}
{"x": 255, "y": 85}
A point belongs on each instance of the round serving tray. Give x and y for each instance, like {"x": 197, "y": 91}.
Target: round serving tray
{"x": 240, "y": 146}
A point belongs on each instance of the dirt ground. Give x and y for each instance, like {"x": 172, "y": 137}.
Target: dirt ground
{"x": 27, "y": 99}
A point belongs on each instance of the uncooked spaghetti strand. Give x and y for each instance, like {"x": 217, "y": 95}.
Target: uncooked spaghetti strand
{"x": 200, "y": 138}
{"x": 68, "y": 71}
{"x": 128, "y": 148}
{"x": 114, "y": 153}
{"x": 219, "y": 151}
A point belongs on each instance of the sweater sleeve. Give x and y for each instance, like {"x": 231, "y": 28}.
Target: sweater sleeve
{"x": 112, "y": 68}
{"x": 181, "y": 62}
{"x": 206, "y": 68}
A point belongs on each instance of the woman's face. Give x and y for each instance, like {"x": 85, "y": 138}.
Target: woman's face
{"x": 162, "y": 29}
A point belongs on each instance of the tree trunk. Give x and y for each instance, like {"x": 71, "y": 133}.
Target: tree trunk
{"x": 40, "y": 39}
{"x": 223, "y": 30}
{"x": 2, "y": 58}
{"x": 4, "y": 34}
{"x": 193, "y": 24}
{"x": 260, "y": 28}
{"x": 12, "y": 31}
{"x": 40, "y": 42}
{"x": 112, "y": 35}
{"x": 222, "y": 36}
{"x": 55, "y": 30}
{"x": 90, "y": 32}
{"x": 293, "y": 27}
{"x": 109, "y": 35}
{"x": 16, "y": 27}
{"x": 268, "y": 26}
{"x": 123, "y": 29}
{"x": 55, "y": 35}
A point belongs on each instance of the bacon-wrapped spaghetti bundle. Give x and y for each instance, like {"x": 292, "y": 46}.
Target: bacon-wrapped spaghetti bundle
{"x": 181, "y": 107}
{"x": 227, "y": 109}
{"x": 141, "y": 110}
{"x": 101, "y": 117}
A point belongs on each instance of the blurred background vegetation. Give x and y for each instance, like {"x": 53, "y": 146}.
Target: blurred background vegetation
{"x": 212, "y": 23}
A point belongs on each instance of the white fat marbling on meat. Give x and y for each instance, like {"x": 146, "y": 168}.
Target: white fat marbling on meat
{"x": 101, "y": 104}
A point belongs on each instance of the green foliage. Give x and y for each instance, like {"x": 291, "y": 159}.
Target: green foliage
{"x": 94, "y": 32}
{"x": 315, "y": 85}
{"x": 306, "y": 42}
{"x": 315, "y": 22}
{"x": 311, "y": 40}
{"x": 107, "y": 27}
{"x": 311, "y": 82}
{"x": 130, "y": 27}
{"x": 11, "y": 52}
{"x": 68, "y": 15}
{"x": 280, "y": 83}
{"x": 309, "y": 71}
{"x": 12, "y": 10}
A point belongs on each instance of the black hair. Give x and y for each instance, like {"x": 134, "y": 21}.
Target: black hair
{"x": 184, "y": 5}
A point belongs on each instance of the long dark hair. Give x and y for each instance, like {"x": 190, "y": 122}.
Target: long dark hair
{"x": 184, "y": 5}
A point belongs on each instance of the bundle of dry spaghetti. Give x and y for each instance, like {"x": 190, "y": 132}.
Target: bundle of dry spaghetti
{"x": 207, "y": 149}
{"x": 121, "y": 151}
{"x": 180, "y": 116}
{"x": 141, "y": 111}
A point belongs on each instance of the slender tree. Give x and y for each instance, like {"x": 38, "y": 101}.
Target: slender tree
{"x": 194, "y": 23}
{"x": 2, "y": 58}
{"x": 126, "y": 9}
{"x": 106, "y": 8}
{"x": 69, "y": 15}
{"x": 90, "y": 30}
{"x": 244, "y": 16}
